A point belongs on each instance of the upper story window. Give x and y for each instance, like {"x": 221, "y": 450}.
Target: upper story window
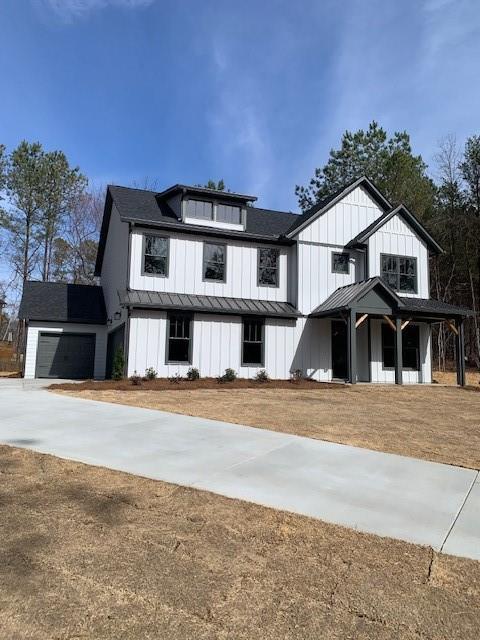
{"x": 216, "y": 212}
{"x": 199, "y": 209}
{"x": 228, "y": 213}
{"x": 155, "y": 255}
{"x": 341, "y": 263}
{"x": 268, "y": 267}
{"x": 214, "y": 261}
{"x": 253, "y": 342}
{"x": 399, "y": 272}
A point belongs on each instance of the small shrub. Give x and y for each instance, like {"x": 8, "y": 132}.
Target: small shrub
{"x": 193, "y": 373}
{"x": 230, "y": 375}
{"x": 118, "y": 365}
{"x": 150, "y": 373}
{"x": 262, "y": 376}
{"x": 175, "y": 379}
{"x": 136, "y": 380}
{"x": 296, "y": 376}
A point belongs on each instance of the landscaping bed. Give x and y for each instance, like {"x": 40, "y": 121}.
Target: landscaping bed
{"x": 91, "y": 553}
{"x": 182, "y": 384}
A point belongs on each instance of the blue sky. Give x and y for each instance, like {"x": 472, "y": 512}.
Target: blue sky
{"x": 252, "y": 92}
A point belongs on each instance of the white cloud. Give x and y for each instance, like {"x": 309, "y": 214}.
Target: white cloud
{"x": 71, "y": 10}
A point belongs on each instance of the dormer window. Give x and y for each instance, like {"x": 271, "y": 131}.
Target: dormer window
{"x": 228, "y": 213}
{"x": 213, "y": 213}
{"x": 199, "y": 209}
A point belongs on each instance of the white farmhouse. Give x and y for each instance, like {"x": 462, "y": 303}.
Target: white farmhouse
{"x": 192, "y": 277}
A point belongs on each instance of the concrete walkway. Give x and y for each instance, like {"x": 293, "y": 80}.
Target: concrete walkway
{"x": 414, "y": 500}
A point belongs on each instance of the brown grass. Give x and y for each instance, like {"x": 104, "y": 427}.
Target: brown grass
{"x": 430, "y": 422}
{"x": 92, "y": 553}
{"x": 450, "y": 378}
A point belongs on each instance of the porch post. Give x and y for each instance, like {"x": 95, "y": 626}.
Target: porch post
{"x": 352, "y": 347}
{"x": 460, "y": 352}
{"x": 398, "y": 351}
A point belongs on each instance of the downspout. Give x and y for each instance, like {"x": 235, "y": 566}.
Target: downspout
{"x": 126, "y": 337}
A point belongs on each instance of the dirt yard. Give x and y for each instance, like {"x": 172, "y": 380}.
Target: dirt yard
{"x": 91, "y": 553}
{"x": 431, "y": 422}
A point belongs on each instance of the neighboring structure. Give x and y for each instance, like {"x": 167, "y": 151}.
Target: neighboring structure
{"x": 202, "y": 278}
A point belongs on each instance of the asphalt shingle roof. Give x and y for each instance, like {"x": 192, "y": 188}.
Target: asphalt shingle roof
{"x": 207, "y": 304}
{"x": 59, "y": 302}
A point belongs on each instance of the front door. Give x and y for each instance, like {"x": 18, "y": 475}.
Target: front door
{"x": 339, "y": 350}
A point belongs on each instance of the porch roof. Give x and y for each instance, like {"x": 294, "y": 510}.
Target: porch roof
{"x": 375, "y": 296}
{"x": 206, "y": 304}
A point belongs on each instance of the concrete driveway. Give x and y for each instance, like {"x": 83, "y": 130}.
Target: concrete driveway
{"x": 413, "y": 500}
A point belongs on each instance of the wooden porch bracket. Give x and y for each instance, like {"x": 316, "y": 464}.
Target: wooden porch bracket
{"x": 390, "y": 322}
{"x": 361, "y": 320}
{"x": 406, "y": 323}
{"x": 452, "y": 327}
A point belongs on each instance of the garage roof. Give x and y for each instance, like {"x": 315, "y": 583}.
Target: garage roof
{"x": 60, "y": 302}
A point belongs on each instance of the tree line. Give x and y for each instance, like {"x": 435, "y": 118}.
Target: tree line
{"x": 50, "y": 218}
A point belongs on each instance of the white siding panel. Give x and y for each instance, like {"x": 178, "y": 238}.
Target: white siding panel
{"x": 396, "y": 237}
{"x": 343, "y": 221}
{"x": 35, "y": 328}
{"x": 186, "y": 270}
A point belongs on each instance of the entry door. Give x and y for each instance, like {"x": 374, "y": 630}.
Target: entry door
{"x": 339, "y": 350}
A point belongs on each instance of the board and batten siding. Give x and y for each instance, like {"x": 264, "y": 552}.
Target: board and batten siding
{"x": 185, "y": 272}
{"x": 329, "y": 234}
{"x": 216, "y": 345}
{"x": 35, "y": 328}
{"x": 115, "y": 266}
{"x": 397, "y": 238}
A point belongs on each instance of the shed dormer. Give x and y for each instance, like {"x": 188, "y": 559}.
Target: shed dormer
{"x": 208, "y": 207}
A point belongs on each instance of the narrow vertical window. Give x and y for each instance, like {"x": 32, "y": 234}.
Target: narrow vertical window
{"x": 214, "y": 261}
{"x": 155, "y": 255}
{"x": 253, "y": 342}
{"x": 341, "y": 263}
{"x": 268, "y": 267}
{"x": 179, "y": 338}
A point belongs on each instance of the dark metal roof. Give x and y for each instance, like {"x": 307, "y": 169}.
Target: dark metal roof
{"x": 324, "y": 205}
{"x": 347, "y": 297}
{"x": 408, "y": 217}
{"x": 206, "y": 304}
{"x": 59, "y": 302}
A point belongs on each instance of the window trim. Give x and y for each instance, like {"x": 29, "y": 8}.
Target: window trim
{"x": 398, "y": 256}
{"x": 190, "y": 317}
{"x": 218, "y": 244}
{"x": 260, "y": 284}
{"x": 167, "y": 269}
{"x": 341, "y": 253}
{"x": 384, "y": 368}
{"x": 242, "y": 342}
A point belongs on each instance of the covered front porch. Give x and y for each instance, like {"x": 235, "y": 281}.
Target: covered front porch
{"x": 378, "y": 336}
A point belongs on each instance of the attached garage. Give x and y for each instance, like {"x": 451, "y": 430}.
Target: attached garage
{"x": 65, "y": 355}
{"x": 65, "y": 331}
